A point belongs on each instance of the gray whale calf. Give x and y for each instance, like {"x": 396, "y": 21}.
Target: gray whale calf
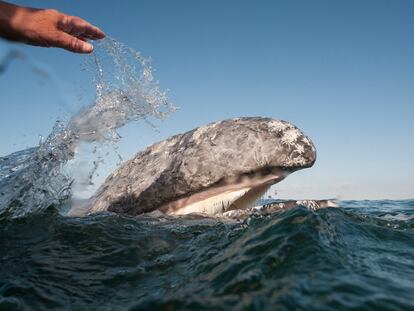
{"x": 215, "y": 169}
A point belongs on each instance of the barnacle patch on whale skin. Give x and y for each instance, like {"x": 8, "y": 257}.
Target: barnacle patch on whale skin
{"x": 199, "y": 132}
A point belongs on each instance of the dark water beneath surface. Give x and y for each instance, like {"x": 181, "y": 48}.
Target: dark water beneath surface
{"x": 358, "y": 257}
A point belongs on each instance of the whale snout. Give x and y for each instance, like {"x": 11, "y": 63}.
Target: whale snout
{"x": 301, "y": 152}
{"x": 309, "y": 156}
{"x": 291, "y": 148}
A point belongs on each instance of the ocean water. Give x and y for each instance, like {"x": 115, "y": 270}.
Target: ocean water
{"x": 357, "y": 257}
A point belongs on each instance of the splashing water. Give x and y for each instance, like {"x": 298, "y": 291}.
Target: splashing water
{"x": 126, "y": 91}
{"x": 121, "y": 95}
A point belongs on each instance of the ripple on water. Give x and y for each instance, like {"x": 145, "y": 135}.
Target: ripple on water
{"x": 333, "y": 259}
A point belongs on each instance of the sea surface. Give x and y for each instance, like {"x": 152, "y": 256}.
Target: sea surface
{"x": 356, "y": 257}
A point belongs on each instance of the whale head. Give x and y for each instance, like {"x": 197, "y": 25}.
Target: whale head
{"x": 213, "y": 169}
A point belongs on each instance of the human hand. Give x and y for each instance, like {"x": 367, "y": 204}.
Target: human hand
{"x": 47, "y": 28}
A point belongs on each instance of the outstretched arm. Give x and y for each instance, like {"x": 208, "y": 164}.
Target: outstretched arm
{"x": 47, "y": 28}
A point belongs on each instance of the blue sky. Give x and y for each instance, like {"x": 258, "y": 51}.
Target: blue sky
{"x": 342, "y": 71}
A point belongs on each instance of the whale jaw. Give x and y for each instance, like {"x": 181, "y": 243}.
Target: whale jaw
{"x": 223, "y": 198}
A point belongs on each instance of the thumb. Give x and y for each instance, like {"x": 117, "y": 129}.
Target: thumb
{"x": 71, "y": 43}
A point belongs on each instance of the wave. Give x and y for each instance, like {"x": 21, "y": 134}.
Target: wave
{"x": 331, "y": 259}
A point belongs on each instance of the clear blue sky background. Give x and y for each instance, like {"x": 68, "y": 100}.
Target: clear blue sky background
{"x": 342, "y": 71}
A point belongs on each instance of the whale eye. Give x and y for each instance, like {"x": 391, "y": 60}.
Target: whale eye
{"x": 265, "y": 171}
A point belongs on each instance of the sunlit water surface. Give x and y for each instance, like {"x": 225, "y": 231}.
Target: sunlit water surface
{"x": 357, "y": 257}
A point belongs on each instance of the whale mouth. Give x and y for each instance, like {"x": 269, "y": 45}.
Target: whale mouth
{"x": 228, "y": 195}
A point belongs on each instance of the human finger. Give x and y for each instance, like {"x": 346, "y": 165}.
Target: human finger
{"x": 77, "y": 26}
{"x": 71, "y": 43}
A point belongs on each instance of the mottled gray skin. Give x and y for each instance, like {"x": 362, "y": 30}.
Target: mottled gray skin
{"x": 205, "y": 157}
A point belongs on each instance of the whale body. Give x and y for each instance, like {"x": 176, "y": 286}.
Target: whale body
{"x": 213, "y": 169}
